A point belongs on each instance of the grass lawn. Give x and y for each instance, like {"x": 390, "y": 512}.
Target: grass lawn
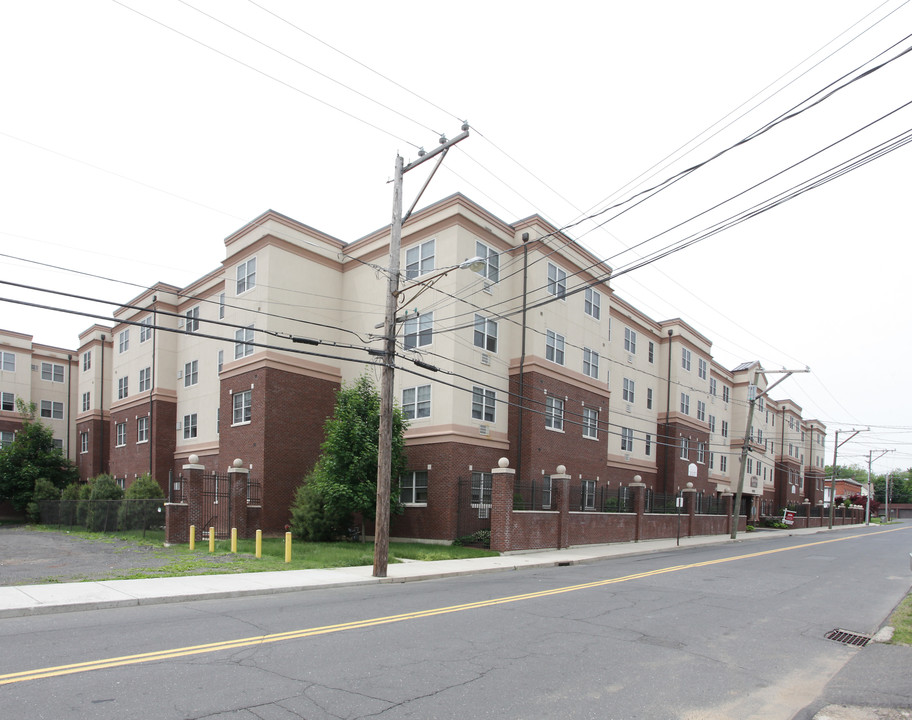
{"x": 180, "y": 560}
{"x": 901, "y": 620}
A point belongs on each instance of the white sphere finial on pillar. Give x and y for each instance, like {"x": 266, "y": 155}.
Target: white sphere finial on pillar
{"x": 637, "y": 479}
{"x": 690, "y": 485}
{"x": 194, "y": 459}
{"x": 503, "y": 463}
{"x": 561, "y": 469}
{"x": 237, "y": 462}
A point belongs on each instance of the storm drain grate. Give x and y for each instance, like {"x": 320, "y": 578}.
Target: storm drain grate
{"x": 848, "y": 638}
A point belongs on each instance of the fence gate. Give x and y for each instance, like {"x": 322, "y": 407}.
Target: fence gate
{"x": 474, "y": 504}
{"x": 216, "y": 510}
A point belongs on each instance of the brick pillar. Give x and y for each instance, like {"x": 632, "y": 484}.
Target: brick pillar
{"x": 561, "y": 483}
{"x": 639, "y": 505}
{"x": 237, "y": 478}
{"x": 177, "y": 529}
{"x": 193, "y": 491}
{"x": 728, "y": 501}
{"x": 690, "y": 507}
{"x": 807, "y": 512}
{"x": 502, "y": 506}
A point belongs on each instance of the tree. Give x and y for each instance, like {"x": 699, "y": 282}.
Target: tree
{"x": 344, "y": 479}
{"x": 31, "y": 456}
{"x": 140, "y": 510}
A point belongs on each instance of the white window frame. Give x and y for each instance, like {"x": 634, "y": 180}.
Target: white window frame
{"x": 86, "y": 401}
{"x": 701, "y": 452}
{"x": 590, "y": 423}
{"x": 83, "y": 442}
{"x": 8, "y": 362}
{"x": 557, "y": 281}
{"x": 416, "y": 402}
{"x": 413, "y": 488}
{"x": 626, "y": 439}
{"x": 242, "y": 339}
{"x": 491, "y": 269}
{"x": 485, "y": 333}
{"x": 221, "y": 301}
{"x": 702, "y": 367}
{"x": 685, "y": 403}
{"x": 685, "y": 358}
{"x": 145, "y": 329}
{"x": 701, "y": 410}
{"x": 192, "y": 320}
{"x": 51, "y": 409}
{"x": 587, "y": 491}
{"x": 649, "y": 398}
{"x": 712, "y": 423}
{"x": 554, "y": 413}
{"x": 484, "y": 401}
{"x": 725, "y": 428}
{"x": 191, "y": 373}
{"x": 52, "y": 372}
{"x": 592, "y": 304}
{"x": 120, "y": 434}
{"x": 123, "y": 341}
{"x": 651, "y": 352}
{"x": 7, "y": 438}
{"x": 629, "y": 391}
{"x": 419, "y": 259}
{"x": 123, "y": 387}
{"x": 723, "y": 463}
{"x": 8, "y": 401}
{"x": 245, "y": 277}
{"x": 712, "y": 386}
{"x": 726, "y": 393}
{"x": 191, "y": 427}
{"x": 145, "y": 379}
{"x": 142, "y": 429}
{"x": 418, "y": 331}
{"x": 86, "y": 360}
{"x": 590, "y": 363}
{"x": 630, "y": 341}
{"x": 554, "y": 347}
{"x": 685, "y": 449}
{"x": 648, "y": 441}
{"x": 242, "y": 407}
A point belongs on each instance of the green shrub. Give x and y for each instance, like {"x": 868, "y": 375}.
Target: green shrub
{"x": 139, "y": 511}
{"x": 44, "y": 492}
{"x": 312, "y": 519}
{"x": 103, "y": 503}
{"x": 479, "y": 537}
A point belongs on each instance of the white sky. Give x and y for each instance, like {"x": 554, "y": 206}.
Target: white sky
{"x": 130, "y": 151}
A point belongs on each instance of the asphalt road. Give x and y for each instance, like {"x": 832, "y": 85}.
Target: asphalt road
{"x": 715, "y": 632}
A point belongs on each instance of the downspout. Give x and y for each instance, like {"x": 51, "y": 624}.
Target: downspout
{"x": 101, "y": 408}
{"x": 69, "y": 401}
{"x": 522, "y": 357}
{"x": 152, "y": 382}
{"x": 668, "y": 438}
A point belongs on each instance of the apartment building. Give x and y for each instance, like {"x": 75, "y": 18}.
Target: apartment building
{"x": 531, "y": 356}
{"x": 42, "y": 375}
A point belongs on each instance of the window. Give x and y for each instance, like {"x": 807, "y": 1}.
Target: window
{"x": 483, "y": 401}
{"x": 58, "y": 444}
{"x": 189, "y": 426}
{"x": 554, "y": 347}
{"x": 7, "y": 401}
{"x": 701, "y": 410}
{"x": 701, "y": 452}
{"x": 685, "y": 448}
{"x": 760, "y": 404}
{"x": 123, "y": 341}
{"x": 725, "y": 428}
{"x": 588, "y": 494}
{"x": 630, "y": 340}
{"x": 87, "y": 360}
{"x": 52, "y": 372}
{"x": 491, "y": 257}
{"x": 145, "y": 329}
{"x": 242, "y": 406}
{"x": 590, "y": 363}
{"x": 557, "y": 281}
{"x": 52, "y": 410}
{"x": 712, "y": 387}
{"x": 725, "y": 393}
{"x": 485, "y": 333}
{"x": 192, "y": 324}
{"x": 419, "y": 259}
{"x": 629, "y": 387}
{"x": 145, "y": 379}
{"x": 712, "y": 461}
{"x": 221, "y": 306}
{"x": 243, "y": 336}
{"x": 712, "y": 423}
{"x": 723, "y": 463}
{"x": 191, "y": 373}
{"x": 648, "y": 444}
{"x": 123, "y": 389}
{"x": 592, "y": 305}
{"x": 86, "y": 401}
{"x": 419, "y": 330}
{"x": 554, "y": 413}
{"x": 481, "y": 488}
{"x": 7, "y": 438}
{"x": 120, "y": 434}
{"x": 627, "y": 439}
{"x": 246, "y": 276}
{"x": 413, "y": 488}
{"x": 221, "y": 359}
{"x": 416, "y": 402}
{"x": 8, "y": 361}
{"x": 83, "y": 442}
{"x": 750, "y": 466}
{"x": 142, "y": 429}
{"x": 590, "y": 423}
{"x": 701, "y": 368}
{"x": 685, "y": 358}
{"x": 685, "y": 403}
{"x": 651, "y": 351}
{"x": 649, "y": 398}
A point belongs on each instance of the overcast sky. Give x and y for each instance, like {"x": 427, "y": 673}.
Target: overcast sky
{"x": 135, "y": 135}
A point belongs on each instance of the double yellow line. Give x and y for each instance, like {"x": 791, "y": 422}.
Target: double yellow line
{"x": 124, "y": 660}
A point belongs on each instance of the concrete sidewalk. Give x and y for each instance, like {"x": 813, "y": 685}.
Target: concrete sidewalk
{"x": 20, "y": 600}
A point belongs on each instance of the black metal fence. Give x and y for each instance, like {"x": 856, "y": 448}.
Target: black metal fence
{"x": 660, "y": 502}
{"x": 104, "y": 515}
{"x": 709, "y": 505}
{"x": 584, "y": 497}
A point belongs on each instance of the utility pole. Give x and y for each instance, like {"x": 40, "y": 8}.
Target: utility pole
{"x": 385, "y": 439}
{"x": 870, "y": 496}
{"x": 753, "y": 396}
{"x": 836, "y": 446}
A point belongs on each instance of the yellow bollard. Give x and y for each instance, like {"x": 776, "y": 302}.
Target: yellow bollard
{"x": 259, "y": 543}
{"x": 193, "y": 537}
{"x": 288, "y": 547}
{"x": 234, "y": 540}
{"x": 211, "y": 539}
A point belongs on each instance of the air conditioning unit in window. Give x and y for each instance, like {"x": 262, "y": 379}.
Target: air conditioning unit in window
{"x": 485, "y": 359}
